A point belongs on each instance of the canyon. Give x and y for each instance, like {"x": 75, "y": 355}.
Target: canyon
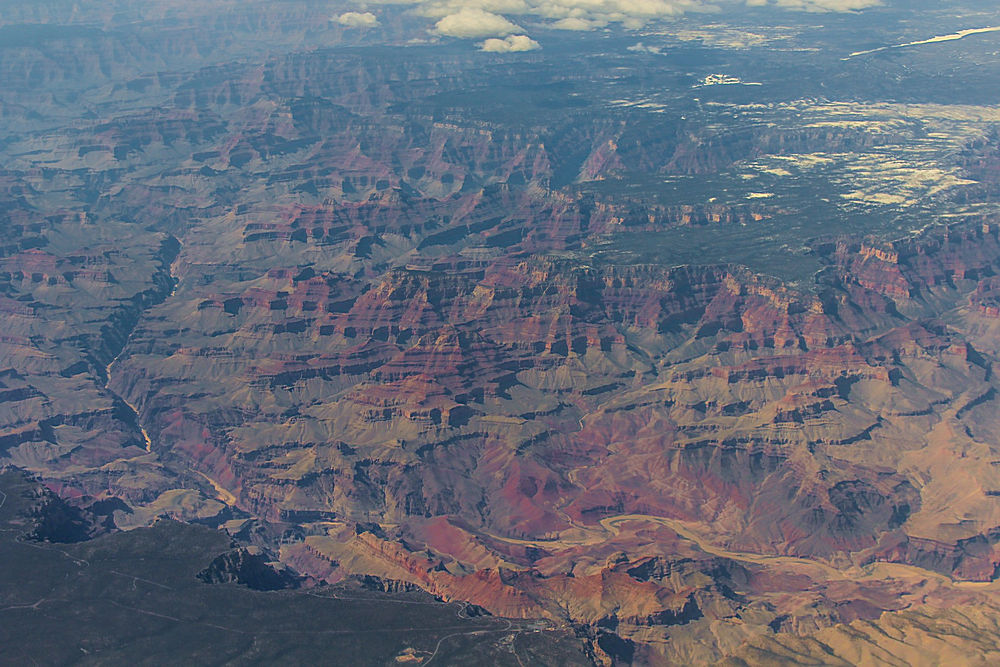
{"x": 684, "y": 375}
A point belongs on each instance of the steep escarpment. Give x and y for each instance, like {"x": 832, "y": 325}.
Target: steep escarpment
{"x": 515, "y": 423}
{"x": 73, "y": 294}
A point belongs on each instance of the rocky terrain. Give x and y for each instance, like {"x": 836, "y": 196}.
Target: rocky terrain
{"x": 138, "y": 596}
{"x": 701, "y": 373}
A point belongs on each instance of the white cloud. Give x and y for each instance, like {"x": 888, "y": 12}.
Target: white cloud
{"x": 357, "y": 20}
{"x": 511, "y": 44}
{"x": 577, "y": 23}
{"x": 472, "y": 22}
{"x": 642, "y": 48}
{"x": 562, "y": 14}
{"x": 494, "y": 18}
{"x": 602, "y": 12}
{"x": 441, "y": 8}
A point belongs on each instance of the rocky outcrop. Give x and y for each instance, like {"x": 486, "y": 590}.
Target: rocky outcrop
{"x": 249, "y": 567}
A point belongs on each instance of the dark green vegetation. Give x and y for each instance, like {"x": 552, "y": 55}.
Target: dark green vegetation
{"x": 135, "y": 598}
